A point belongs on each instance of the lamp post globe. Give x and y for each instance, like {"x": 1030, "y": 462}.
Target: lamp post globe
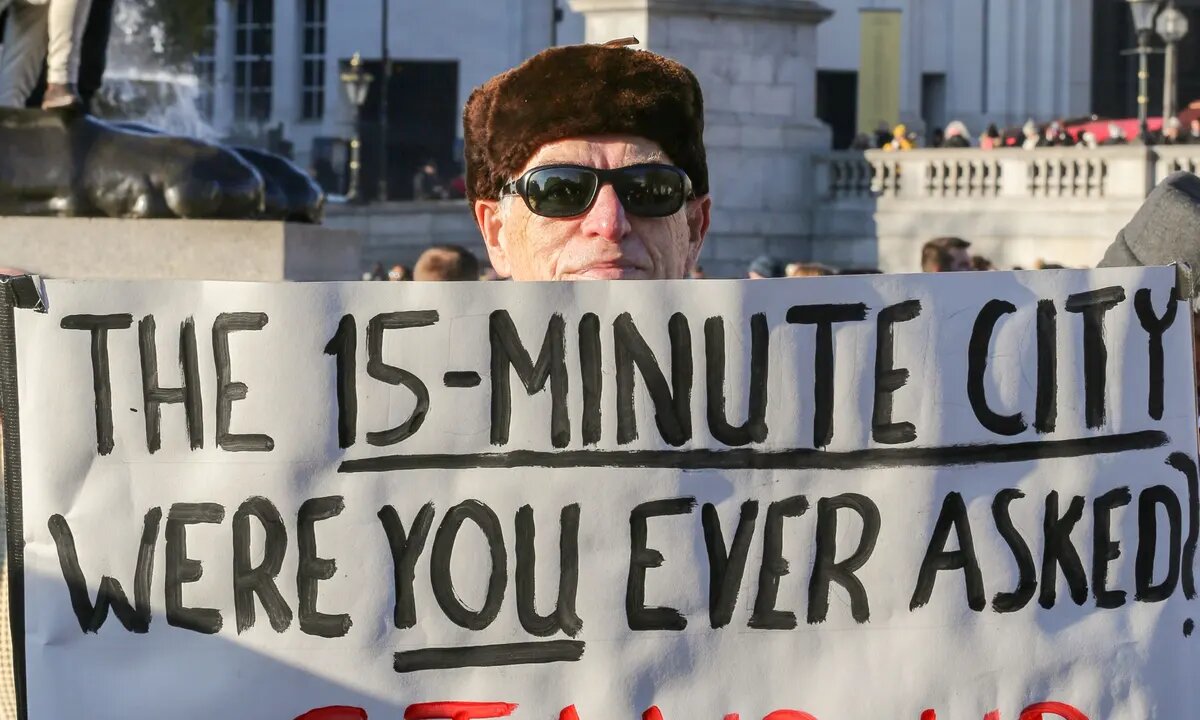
{"x": 1171, "y": 25}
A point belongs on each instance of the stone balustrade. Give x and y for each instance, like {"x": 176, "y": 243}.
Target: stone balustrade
{"x": 1016, "y": 206}
{"x": 1045, "y": 173}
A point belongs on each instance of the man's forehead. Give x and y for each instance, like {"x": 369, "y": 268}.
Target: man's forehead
{"x": 601, "y": 151}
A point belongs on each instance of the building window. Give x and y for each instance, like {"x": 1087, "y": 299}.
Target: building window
{"x": 312, "y": 60}
{"x": 204, "y": 65}
{"x": 252, "y": 60}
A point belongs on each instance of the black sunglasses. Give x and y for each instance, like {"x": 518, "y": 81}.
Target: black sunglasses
{"x": 560, "y": 191}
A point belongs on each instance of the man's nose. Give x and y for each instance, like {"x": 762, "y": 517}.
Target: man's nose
{"x": 606, "y": 217}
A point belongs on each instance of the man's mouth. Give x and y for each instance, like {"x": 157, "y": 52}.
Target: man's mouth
{"x": 609, "y": 270}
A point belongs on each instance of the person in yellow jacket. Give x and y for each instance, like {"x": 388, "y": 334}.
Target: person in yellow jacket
{"x": 900, "y": 139}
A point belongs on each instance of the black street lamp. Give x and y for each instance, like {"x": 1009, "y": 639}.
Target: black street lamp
{"x": 1143, "y": 24}
{"x": 1171, "y": 26}
{"x": 383, "y": 100}
{"x": 356, "y": 83}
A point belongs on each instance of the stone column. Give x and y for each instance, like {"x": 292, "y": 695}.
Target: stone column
{"x": 286, "y": 68}
{"x": 223, "y": 68}
{"x": 756, "y": 62}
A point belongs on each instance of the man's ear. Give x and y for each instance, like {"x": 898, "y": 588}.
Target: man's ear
{"x": 491, "y": 221}
{"x": 699, "y": 217}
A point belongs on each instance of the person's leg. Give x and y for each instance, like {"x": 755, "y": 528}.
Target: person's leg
{"x": 23, "y": 52}
{"x": 95, "y": 49}
{"x": 67, "y": 21}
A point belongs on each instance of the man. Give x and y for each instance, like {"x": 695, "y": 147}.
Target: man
{"x": 1032, "y": 138}
{"x": 1165, "y": 230}
{"x": 427, "y": 185}
{"x": 38, "y": 31}
{"x": 1171, "y": 131}
{"x": 900, "y": 139}
{"x": 765, "y": 267}
{"x": 587, "y": 162}
{"x": 446, "y": 263}
{"x": 957, "y": 135}
{"x": 945, "y": 254}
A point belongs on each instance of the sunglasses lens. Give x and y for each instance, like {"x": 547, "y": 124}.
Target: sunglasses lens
{"x": 651, "y": 191}
{"x": 561, "y": 191}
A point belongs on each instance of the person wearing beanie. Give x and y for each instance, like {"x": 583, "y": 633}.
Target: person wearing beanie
{"x": 587, "y": 162}
{"x": 1165, "y": 230}
{"x": 765, "y": 267}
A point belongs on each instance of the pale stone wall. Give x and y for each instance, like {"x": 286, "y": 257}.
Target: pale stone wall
{"x": 398, "y": 232}
{"x": 177, "y": 249}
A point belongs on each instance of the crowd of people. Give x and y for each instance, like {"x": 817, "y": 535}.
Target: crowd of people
{"x": 942, "y": 254}
{"x": 1031, "y": 135}
{"x": 444, "y": 263}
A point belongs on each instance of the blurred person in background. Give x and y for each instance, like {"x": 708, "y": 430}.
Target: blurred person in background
{"x": 991, "y": 139}
{"x": 1030, "y": 132}
{"x": 799, "y": 269}
{"x": 427, "y": 185}
{"x": 1193, "y": 134}
{"x": 945, "y": 254}
{"x": 1165, "y": 230}
{"x": 444, "y": 263}
{"x": 398, "y": 273}
{"x": 1171, "y": 132}
{"x": 900, "y": 139}
{"x": 1116, "y": 136}
{"x": 765, "y": 267}
{"x": 957, "y": 135}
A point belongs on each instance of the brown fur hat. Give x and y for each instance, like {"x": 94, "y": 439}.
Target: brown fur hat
{"x": 578, "y": 90}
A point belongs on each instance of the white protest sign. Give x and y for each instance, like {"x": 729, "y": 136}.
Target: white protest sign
{"x": 853, "y": 498}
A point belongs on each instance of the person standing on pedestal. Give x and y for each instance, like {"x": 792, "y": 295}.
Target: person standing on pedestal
{"x": 38, "y": 31}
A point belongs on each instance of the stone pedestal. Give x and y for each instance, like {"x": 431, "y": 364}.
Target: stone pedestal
{"x": 756, "y": 62}
{"x": 178, "y": 249}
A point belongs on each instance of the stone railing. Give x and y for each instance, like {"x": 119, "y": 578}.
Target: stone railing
{"x": 1072, "y": 173}
{"x": 1015, "y": 206}
{"x": 1173, "y": 158}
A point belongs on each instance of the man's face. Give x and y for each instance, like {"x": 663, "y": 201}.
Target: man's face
{"x": 604, "y": 243}
{"x": 960, "y": 260}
